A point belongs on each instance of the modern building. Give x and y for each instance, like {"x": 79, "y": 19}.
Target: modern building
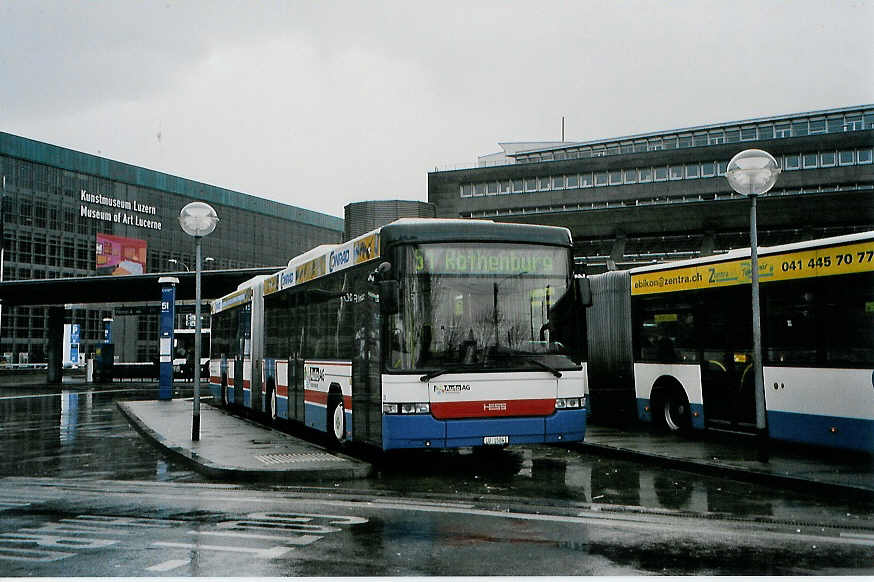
{"x": 663, "y": 195}
{"x": 362, "y": 217}
{"x": 70, "y": 214}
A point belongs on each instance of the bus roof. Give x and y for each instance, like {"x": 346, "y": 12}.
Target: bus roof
{"x": 325, "y": 259}
{"x": 762, "y": 251}
{"x": 426, "y": 230}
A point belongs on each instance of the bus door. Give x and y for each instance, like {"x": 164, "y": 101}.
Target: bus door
{"x": 238, "y": 375}
{"x": 295, "y": 387}
{"x": 726, "y": 342}
{"x": 242, "y": 353}
{"x": 367, "y": 367}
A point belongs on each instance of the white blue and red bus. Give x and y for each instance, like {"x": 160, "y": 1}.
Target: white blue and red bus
{"x": 677, "y": 337}
{"x": 423, "y": 333}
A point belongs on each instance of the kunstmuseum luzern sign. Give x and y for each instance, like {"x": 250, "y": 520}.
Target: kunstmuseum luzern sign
{"x": 117, "y": 210}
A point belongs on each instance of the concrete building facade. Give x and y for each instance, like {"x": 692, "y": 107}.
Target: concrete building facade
{"x": 362, "y": 217}
{"x": 663, "y": 195}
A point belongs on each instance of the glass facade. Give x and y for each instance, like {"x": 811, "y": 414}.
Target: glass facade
{"x": 834, "y": 121}
{"x": 56, "y": 202}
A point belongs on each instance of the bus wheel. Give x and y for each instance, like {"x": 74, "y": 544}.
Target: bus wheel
{"x": 272, "y": 404}
{"x": 676, "y": 411}
{"x": 336, "y": 420}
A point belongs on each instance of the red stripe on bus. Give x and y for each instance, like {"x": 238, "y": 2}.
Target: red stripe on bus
{"x": 315, "y": 397}
{"x": 492, "y": 408}
{"x": 282, "y": 390}
{"x": 215, "y": 380}
{"x": 247, "y": 384}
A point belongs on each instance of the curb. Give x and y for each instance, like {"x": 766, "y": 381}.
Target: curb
{"x": 236, "y": 474}
{"x": 737, "y": 473}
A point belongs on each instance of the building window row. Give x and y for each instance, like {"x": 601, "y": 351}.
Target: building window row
{"x": 788, "y": 162}
{"x": 657, "y": 199}
{"x": 820, "y": 124}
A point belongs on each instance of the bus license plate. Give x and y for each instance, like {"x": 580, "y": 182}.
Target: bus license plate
{"x": 496, "y": 440}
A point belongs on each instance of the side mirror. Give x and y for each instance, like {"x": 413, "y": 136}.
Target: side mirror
{"x": 389, "y": 296}
{"x": 380, "y": 273}
{"x": 584, "y": 291}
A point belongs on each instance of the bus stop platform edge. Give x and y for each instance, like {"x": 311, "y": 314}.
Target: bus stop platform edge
{"x": 235, "y": 448}
{"x": 740, "y": 457}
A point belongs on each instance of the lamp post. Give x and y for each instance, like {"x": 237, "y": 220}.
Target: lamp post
{"x": 198, "y": 219}
{"x": 751, "y": 173}
{"x": 178, "y": 262}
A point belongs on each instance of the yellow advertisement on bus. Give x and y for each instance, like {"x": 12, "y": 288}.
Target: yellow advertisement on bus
{"x": 800, "y": 264}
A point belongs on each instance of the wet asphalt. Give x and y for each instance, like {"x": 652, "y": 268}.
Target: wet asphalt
{"x": 75, "y": 447}
{"x": 81, "y": 433}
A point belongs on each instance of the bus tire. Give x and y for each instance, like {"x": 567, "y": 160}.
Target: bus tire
{"x": 675, "y": 414}
{"x": 336, "y": 428}
{"x": 271, "y": 402}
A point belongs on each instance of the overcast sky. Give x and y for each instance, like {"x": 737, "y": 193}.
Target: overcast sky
{"x": 318, "y": 104}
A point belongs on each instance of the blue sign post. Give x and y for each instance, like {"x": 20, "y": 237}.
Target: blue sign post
{"x": 74, "y": 344}
{"x": 107, "y": 330}
{"x": 165, "y": 337}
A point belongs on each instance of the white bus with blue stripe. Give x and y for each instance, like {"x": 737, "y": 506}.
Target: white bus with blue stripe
{"x": 676, "y": 339}
{"x": 425, "y": 333}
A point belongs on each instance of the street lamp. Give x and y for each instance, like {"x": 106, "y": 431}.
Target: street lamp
{"x": 178, "y": 262}
{"x": 208, "y": 260}
{"x": 751, "y": 173}
{"x": 198, "y": 219}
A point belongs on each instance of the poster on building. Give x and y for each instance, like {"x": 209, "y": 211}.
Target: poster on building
{"x": 117, "y": 255}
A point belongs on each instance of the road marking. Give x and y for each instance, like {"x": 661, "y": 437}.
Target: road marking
{"x": 295, "y": 541}
{"x": 4, "y": 505}
{"x": 168, "y": 565}
{"x": 83, "y": 391}
{"x": 866, "y": 538}
{"x": 22, "y": 555}
{"x": 120, "y": 521}
{"x": 274, "y": 552}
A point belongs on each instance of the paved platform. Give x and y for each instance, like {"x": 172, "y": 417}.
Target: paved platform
{"x": 235, "y": 448}
{"x": 739, "y": 456}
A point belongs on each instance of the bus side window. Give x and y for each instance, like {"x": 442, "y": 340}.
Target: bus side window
{"x": 790, "y": 328}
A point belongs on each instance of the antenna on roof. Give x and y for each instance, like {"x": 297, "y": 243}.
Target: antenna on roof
{"x": 562, "y": 128}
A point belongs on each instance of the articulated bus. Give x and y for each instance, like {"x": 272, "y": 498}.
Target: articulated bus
{"x": 423, "y": 333}
{"x": 680, "y": 336}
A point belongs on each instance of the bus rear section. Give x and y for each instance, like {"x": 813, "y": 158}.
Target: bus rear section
{"x": 469, "y": 410}
{"x": 686, "y": 345}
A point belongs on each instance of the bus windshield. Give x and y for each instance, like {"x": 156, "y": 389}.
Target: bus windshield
{"x": 479, "y": 306}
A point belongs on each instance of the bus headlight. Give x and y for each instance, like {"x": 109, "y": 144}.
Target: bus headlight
{"x": 406, "y": 408}
{"x": 575, "y": 402}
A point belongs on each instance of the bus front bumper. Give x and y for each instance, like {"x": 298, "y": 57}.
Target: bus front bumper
{"x": 421, "y": 431}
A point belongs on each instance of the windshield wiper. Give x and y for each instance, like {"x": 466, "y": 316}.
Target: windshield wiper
{"x": 546, "y": 367}
{"x": 432, "y": 374}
